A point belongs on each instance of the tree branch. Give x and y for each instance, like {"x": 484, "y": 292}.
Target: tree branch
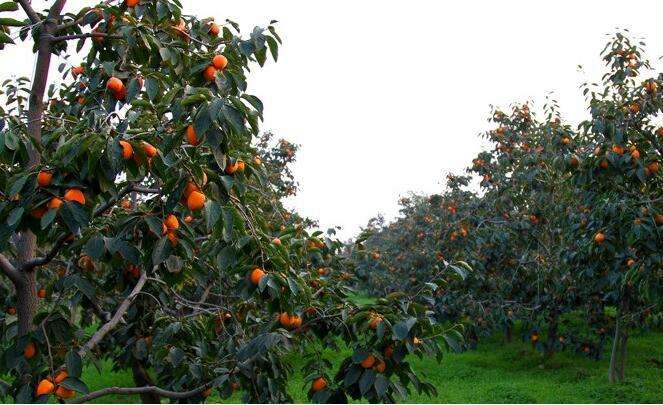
{"x": 141, "y": 390}
{"x": 27, "y": 7}
{"x": 9, "y": 270}
{"x": 86, "y": 35}
{"x": 110, "y": 325}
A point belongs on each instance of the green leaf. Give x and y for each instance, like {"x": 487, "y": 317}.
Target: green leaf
{"x": 161, "y": 251}
{"x": 74, "y": 364}
{"x": 381, "y": 384}
{"x": 95, "y": 247}
{"x": 152, "y": 88}
{"x": 10, "y": 22}
{"x": 212, "y": 212}
{"x": 48, "y": 218}
{"x": 74, "y": 215}
{"x": 76, "y": 385}
{"x": 15, "y": 216}
{"x": 366, "y": 381}
{"x": 402, "y": 329}
{"x": 227, "y": 213}
{"x": 9, "y": 6}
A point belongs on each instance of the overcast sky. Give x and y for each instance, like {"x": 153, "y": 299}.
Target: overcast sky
{"x": 388, "y": 97}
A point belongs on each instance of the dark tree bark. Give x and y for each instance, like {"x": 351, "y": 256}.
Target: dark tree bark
{"x": 143, "y": 379}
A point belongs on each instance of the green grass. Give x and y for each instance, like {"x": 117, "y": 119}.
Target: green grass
{"x": 498, "y": 372}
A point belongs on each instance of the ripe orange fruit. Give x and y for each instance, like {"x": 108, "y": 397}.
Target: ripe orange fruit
{"x": 257, "y": 161}
{"x": 45, "y": 387}
{"x": 149, "y": 150}
{"x": 240, "y": 166}
{"x": 658, "y": 219}
{"x": 276, "y": 242}
{"x": 653, "y": 167}
{"x": 127, "y": 150}
{"x": 374, "y": 321}
{"x": 60, "y": 376}
{"x": 634, "y": 108}
{"x": 635, "y": 154}
{"x": 171, "y": 222}
{"x": 114, "y": 84}
{"x": 54, "y": 203}
{"x": 389, "y": 351}
{"x": 604, "y": 164}
{"x": 206, "y": 393}
{"x": 381, "y": 366}
{"x": 630, "y": 262}
{"x": 190, "y": 188}
{"x": 74, "y": 194}
{"x": 230, "y": 167}
{"x": 44, "y": 178}
{"x": 38, "y": 212}
{"x": 650, "y": 86}
{"x": 120, "y": 94}
{"x": 191, "y": 136}
{"x": 30, "y": 350}
{"x": 295, "y": 321}
{"x": 209, "y": 73}
{"x": 195, "y": 201}
{"x": 126, "y": 204}
{"x": 285, "y": 320}
{"x": 618, "y": 149}
{"x": 219, "y": 62}
{"x": 566, "y": 140}
{"x": 188, "y": 219}
{"x": 256, "y": 275}
{"x": 214, "y": 29}
{"x": 64, "y": 393}
{"x": 318, "y": 384}
{"x": 575, "y": 162}
{"x": 659, "y": 132}
{"x": 131, "y": 3}
{"x": 172, "y": 237}
{"x": 41, "y": 293}
{"x": 11, "y": 311}
{"x": 368, "y": 362}
{"x": 77, "y": 70}
{"x": 599, "y": 238}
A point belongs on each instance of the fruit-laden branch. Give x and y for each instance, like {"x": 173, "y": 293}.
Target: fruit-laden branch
{"x": 41, "y": 261}
{"x": 141, "y": 390}
{"x": 9, "y": 269}
{"x": 27, "y": 7}
{"x": 86, "y": 35}
{"x": 110, "y": 325}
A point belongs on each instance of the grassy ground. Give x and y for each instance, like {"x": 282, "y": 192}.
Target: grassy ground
{"x": 496, "y": 372}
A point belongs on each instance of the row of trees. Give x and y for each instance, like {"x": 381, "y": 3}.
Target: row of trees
{"x": 141, "y": 223}
{"x": 565, "y": 235}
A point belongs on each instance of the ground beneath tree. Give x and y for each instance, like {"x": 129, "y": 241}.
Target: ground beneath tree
{"x": 498, "y": 372}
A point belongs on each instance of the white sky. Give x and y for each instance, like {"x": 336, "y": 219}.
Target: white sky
{"x": 387, "y": 97}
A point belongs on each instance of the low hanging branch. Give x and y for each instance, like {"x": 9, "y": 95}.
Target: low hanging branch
{"x": 86, "y": 35}
{"x": 141, "y": 390}
{"x": 110, "y": 325}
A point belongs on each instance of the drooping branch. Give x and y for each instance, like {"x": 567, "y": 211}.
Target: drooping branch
{"x": 141, "y": 390}
{"x": 86, "y": 35}
{"x": 119, "y": 313}
{"x": 27, "y": 7}
{"x": 9, "y": 270}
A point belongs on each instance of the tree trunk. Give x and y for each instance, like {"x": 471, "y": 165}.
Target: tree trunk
{"x": 612, "y": 369}
{"x": 621, "y": 367}
{"x": 509, "y": 333}
{"x": 143, "y": 379}
{"x": 26, "y": 244}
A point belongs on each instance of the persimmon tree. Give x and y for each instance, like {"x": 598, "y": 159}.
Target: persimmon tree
{"x": 141, "y": 223}
{"x": 567, "y": 224}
